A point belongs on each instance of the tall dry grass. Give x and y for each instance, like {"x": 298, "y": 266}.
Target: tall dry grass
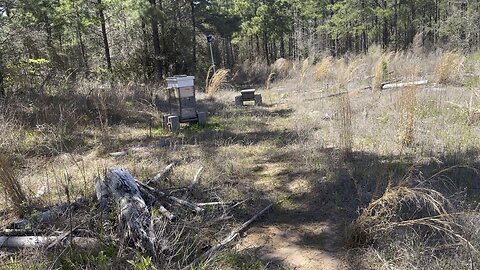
{"x": 408, "y": 104}
{"x": 345, "y": 118}
{"x": 305, "y": 67}
{"x": 324, "y": 69}
{"x": 344, "y": 110}
{"x": 449, "y": 68}
{"x": 380, "y": 71}
{"x": 12, "y": 187}
{"x": 218, "y": 79}
{"x": 281, "y": 68}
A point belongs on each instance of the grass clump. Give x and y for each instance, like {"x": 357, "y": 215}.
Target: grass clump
{"x": 449, "y": 68}
{"x": 218, "y": 79}
{"x": 380, "y": 72}
{"x": 12, "y": 186}
{"x": 402, "y": 207}
{"x": 408, "y": 104}
{"x": 281, "y": 67}
{"x": 323, "y": 70}
{"x": 305, "y": 68}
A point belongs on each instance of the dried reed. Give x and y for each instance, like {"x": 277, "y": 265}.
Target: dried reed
{"x": 380, "y": 72}
{"x": 217, "y": 80}
{"x": 345, "y": 117}
{"x": 305, "y": 67}
{"x": 449, "y": 67}
{"x": 344, "y": 109}
{"x": 408, "y": 104}
{"x": 12, "y": 187}
{"x": 323, "y": 70}
{"x": 281, "y": 67}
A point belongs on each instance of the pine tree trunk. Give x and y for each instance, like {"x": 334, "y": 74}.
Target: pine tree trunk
{"x": 80, "y": 40}
{"x": 2, "y": 87}
{"x": 265, "y": 47}
{"x": 104, "y": 35}
{"x": 156, "y": 44}
{"x": 194, "y": 37}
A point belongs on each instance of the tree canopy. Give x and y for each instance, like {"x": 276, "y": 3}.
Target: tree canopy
{"x": 146, "y": 40}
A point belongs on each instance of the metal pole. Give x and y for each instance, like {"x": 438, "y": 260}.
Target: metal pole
{"x": 213, "y": 60}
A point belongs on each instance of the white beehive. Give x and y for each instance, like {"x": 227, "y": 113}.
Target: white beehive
{"x": 180, "y": 81}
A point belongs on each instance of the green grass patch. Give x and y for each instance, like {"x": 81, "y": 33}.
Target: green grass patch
{"x": 428, "y": 109}
{"x": 241, "y": 261}
{"x": 472, "y": 82}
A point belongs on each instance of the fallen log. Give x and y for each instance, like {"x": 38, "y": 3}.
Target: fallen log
{"x": 215, "y": 203}
{"x": 208, "y": 254}
{"x": 47, "y": 216}
{"x": 134, "y": 216}
{"x": 162, "y": 174}
{"x": 14, "y": 242}
{"x": 124, "y": 153}
{"x": 101, "y": 192}
{"x": 179, "y": 201}
{"x": 166, "y": 213}
{"x": 196, "y": 179}
{"x": 399, "y": 85}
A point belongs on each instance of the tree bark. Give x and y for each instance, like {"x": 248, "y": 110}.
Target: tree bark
{"x": 156, "y": 43}
{"x": 2, "y": 86}
{"x": 104, "y": 35}
{"x": 16, "y": 242}
{"x": 194, "y": 37}
{"x": 134, "y": 216}
{"x": 265, "y": 47}
{"x": 78, "y": 29}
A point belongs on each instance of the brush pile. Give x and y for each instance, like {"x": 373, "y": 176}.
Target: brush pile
{"x": 135, "y": 217}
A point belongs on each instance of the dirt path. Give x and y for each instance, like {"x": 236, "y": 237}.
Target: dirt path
{"x": 282, "y": 245}
{"x": 298, "y": 235}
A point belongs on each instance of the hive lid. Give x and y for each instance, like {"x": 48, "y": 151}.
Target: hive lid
{"x": 180, "y": 81}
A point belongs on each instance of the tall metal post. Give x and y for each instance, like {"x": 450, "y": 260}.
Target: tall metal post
{"x": 210, "y": 39}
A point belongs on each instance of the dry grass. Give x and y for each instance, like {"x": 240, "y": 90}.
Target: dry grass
{"x": 344, "y": 110}
{"x": 408, "y": 104}
{"x": 267, "y": 152}
{"x": 281, "y": 68}
{"x": 346, "y": 131}
{"x": 324, "y": 69}
{"x": 380, "y": 72}
{"x": 251, "y": 72}
{"x": 218, "y": 79}
{"x": 449, "y": 68}
{"x": 404, "y": 207}
{"x": 305, "y": 67}
{"x": 12, "y": 187}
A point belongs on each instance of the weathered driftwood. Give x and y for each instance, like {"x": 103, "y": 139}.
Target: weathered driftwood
{"x": 196, "y": 179}
{"x": 49, "y": 215}
{"x": 134, "y": 216}
{"x": 209, "y": 253}
{"x": 124, "y": 153}
{"x": 66, "y": 234}
{"x": 101, "y": 192}
{"x": 215, "y": 203}
{"x": 161, "y": 174}
{"x": 179, "y": 201}
{"x": 42, "y": 241}
{"x": 398, "y": 85}
{"x": 19, "y": 232}
{"x": 166, "y": 213}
